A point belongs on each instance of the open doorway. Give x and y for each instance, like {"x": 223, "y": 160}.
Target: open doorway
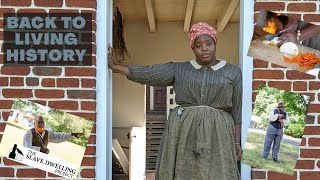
{"x": 104, "y": 77}
{"x": 158, "y": 98}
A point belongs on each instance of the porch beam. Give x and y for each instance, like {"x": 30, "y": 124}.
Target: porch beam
{"x": 151, "y": 15}
{"x": 226, "y": 14}
{"x": 188, "y": 16}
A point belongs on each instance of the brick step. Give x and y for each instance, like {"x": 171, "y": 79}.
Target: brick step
{"x": 154, "y": 136}
{"x": 150, "y": 174}
{"x": 155, "y": 126}
{"x": 120, "y": 177}
{"x": 155, "y": 121}
{"x": 152, "y": 162}
{"x": 151, "y": 166}
{"x": 152, "y": 154}
{"x": 156, "y": 111}
{"x": 153, "y": 142}
{"x": 153, "y": 148}
{"x": 155, "y": 131}
{"x": 156, "y": 117}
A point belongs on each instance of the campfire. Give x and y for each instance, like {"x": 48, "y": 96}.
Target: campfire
{"x": 271, "y": 28}
{"x": 269, "y": 23}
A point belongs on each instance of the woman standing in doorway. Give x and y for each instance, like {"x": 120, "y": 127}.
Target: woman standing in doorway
{"x": 202, "y": 136}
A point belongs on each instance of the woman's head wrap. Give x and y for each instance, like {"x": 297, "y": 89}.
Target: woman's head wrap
{"x": 199, "y": 29}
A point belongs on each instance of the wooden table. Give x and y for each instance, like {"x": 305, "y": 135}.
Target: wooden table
{"x": 271, "y": 53}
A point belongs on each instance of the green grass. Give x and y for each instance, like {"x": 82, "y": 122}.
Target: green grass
{"x": 17, "y": 126}
{"x": 253, "y": 150}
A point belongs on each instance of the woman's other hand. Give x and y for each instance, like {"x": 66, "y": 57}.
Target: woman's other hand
{"x": 238, "y": 152}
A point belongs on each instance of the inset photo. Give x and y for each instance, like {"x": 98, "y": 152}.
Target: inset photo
{"x": 276, "y": 128}
{"x": 287, "y": 42}
{"x": 45, "y": 138}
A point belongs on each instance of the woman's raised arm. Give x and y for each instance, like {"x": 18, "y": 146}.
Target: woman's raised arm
{"x": 153, "y": 75}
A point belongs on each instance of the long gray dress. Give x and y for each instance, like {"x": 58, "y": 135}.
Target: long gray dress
{"x": 198, "y": 142}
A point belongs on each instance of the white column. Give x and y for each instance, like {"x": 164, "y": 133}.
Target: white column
{"x": 104, "y": 92}
{"x": 151, "y": 98}
{"x": 246, "y": 64}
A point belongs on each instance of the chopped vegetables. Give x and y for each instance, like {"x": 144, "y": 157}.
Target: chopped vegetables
{"x": 306, "y": 60}
{"x": 275, "y": 41}
{"x": 266, "y": 42}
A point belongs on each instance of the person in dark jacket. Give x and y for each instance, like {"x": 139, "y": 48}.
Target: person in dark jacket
{"x": 278, "y": 119}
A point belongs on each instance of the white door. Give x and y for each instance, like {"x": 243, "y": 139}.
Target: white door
{"x": 137, "y": 158}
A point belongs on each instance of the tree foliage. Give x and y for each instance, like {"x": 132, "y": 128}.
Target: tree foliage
{"x": 27, "y": 107}
{"x": 64, "y": 122}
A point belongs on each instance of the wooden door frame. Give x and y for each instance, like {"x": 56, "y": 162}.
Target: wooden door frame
{"x": 246, "y": 65}
{"x": 104, "y": 84}
{"x": 103, "y": 155}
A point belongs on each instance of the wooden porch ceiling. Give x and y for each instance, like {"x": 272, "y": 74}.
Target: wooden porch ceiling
{"x": 187, "y": 11}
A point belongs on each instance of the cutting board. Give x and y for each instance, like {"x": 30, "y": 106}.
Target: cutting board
{"x": 271, "y": 53}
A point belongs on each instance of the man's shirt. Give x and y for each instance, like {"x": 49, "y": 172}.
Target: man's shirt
{"x": 274, "y": 117}
{"x": 54, "y": 137}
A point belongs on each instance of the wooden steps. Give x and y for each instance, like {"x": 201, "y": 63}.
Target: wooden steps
{"x": 155, "y": 124}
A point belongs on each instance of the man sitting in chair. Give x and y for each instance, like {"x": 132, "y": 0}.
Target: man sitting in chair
{"x": 38, "y": 138}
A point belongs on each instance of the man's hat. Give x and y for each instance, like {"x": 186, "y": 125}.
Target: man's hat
{"x": 280, "y": 104}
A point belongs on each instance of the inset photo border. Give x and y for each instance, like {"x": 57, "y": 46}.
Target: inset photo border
{"x": 276, "y": 128}
{"x": 287, "y": 42}
{"x": 45, "y": 138}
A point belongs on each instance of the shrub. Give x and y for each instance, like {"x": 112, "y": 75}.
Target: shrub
{"x": 294, "y": 130}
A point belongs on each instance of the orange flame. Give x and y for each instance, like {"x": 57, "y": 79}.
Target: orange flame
{"x": 271, "y": 28}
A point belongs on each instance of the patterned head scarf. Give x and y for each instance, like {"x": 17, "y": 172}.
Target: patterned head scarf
{"x": 202, "y": 28}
